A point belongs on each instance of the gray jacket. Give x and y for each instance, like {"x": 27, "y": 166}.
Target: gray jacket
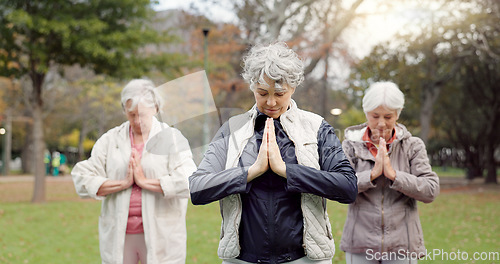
{"x": 384, "y": 217}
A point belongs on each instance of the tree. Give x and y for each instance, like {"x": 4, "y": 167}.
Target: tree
{"x": 461, "y": 60}
{"x": 91, "y": 106}
{"x": 103, "y": 35}
{"x": 7, "y": 94}
{"x": 472, "y": 106}
{"x": 313, "y": 28}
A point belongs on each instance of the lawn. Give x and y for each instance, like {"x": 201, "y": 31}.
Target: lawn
{"x": 449, "y": 172}
{"x": 64, "y": 230}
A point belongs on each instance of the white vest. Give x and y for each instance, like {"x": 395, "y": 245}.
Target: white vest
{"x": 302, "y": 128}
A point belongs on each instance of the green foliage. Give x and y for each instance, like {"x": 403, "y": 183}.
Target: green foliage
{"x": 448, "y": 70}
{"x": 104, "y": 35}
{"x": 353, "y": 116}
{"x": 72, "y": 140}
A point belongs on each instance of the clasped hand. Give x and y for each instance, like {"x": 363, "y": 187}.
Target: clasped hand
{"x": 134, "y": 172}
{"x": 382, "y": 163}
{"x": 269, "y": 156}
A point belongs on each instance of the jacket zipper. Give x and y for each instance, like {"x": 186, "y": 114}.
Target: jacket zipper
{"x": 382, "y": 224}
{"x": 272, "y": 227}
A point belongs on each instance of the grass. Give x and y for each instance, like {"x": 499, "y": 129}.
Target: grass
{"x": 454, "y": 172}
{"x": 64, "y": 230}
{"x": 56, "y": 232}
{"x": 449, "y": 172}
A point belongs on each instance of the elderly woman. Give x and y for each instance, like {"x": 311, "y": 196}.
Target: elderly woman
{"x": 271, "y": 168}
{"x": 144, "y": 193}
{"x": 393, "y": 170}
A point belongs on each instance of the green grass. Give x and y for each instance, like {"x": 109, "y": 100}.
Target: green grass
{"x": 449, "y": 172}
{"x": 57, "y": 232}
{"x": 454, "y": 172}
{"x": 66, "y": 232}
{"x": 462, "y": 222}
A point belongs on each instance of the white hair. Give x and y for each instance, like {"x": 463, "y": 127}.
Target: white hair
{"x": 141, "y": 90}
{"x": 385, "y": 94}
{"x": 276, "y": 61}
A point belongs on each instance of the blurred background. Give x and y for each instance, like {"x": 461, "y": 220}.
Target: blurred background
{"x": 63, "y": 65}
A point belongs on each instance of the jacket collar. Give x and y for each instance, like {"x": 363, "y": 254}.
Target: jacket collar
{"x": 355, "y": 133}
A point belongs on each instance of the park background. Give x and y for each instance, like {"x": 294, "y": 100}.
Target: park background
{"x": 64, "y": 63}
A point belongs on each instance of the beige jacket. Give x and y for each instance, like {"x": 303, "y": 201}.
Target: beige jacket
{"x": 163, "y": 215}
{"x": 384, "y": 217}
{"x": 302, "y": 128}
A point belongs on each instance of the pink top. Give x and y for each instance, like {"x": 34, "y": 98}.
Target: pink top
{"x": 134, "y": 222}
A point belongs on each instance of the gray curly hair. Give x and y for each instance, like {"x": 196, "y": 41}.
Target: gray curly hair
{"x": 141, "y": 90}
{"x": 276, "y": 61}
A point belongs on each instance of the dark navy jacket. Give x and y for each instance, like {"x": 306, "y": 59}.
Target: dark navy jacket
{"x": 271, "y": 225}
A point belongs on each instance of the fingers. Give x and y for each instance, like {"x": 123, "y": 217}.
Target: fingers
{"x": 265, "y": 137}
{"x": 129, "y": 180}
{"x": 130, "y": 168}
{"x": 382, "y": 143}
{"x": 264, "y": 146}
{"x": 133, "y": 153}
{"x": 382, "y": 147}
{"x": 270, "y": 130}
{"x": 135, "y": 156}
{"x": 261, "y": 165}
{"x": 275, "y": 160}
{"x": 273, "y": 148}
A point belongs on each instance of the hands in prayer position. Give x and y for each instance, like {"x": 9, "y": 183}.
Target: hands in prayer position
{"x": 134, "y": 174}
{"x": 383, "y": 163}
{"x": 269, "y": 155}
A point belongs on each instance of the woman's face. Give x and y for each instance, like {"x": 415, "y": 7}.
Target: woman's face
{"x": 381, "y": 122}
{"x": 270, "y": 101}
{"x": 140, "y": 118}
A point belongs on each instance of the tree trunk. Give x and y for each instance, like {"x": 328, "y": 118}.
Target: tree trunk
{"x": 38, "y": 147}
{"x": 27, "y": 152}
{"x": 38, "y": 142}
{"x": 425, "y": 119}
{"x": 474, "y": 169}
{"x": 430, "y": 94}
{"x": 491, "y": 176}
{"x": 324, "y": 92}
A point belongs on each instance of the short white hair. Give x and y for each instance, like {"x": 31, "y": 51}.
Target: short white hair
{"x": 276, "y": 61}
{"x": 141, "y": 90}
{"x": 385, "y": 94}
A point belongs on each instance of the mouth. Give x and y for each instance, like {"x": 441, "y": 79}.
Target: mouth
{"x": 272, "y": 110}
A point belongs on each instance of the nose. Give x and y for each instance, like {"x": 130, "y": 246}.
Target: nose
{"x": 271, "y": 101}
{"x": 381, "y": 123}
{"x": 137, "y": 122}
